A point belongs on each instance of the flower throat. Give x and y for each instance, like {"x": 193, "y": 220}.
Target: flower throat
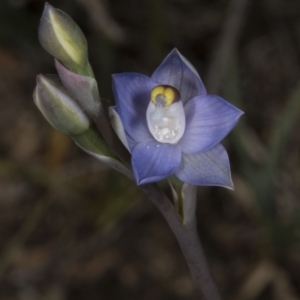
{"x": 165, "y": 115}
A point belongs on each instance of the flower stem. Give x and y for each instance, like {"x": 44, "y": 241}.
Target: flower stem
{"x": 188, "y": 239}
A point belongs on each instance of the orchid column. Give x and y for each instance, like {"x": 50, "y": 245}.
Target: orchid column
{"x": 164, "y": 125}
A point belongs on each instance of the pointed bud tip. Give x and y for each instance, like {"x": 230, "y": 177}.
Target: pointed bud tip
{"x": 59, "y": 107}
{"x": 42, "y": 79}
{"x": 47, "y": 8}
{"x": 47, "y": 5}
{"x": 39, "y": 78}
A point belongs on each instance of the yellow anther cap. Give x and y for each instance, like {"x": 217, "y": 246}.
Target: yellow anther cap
{"x": 164, "y": 93}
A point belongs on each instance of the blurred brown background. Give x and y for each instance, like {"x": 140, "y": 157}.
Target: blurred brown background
{"x": 70, "y": 228}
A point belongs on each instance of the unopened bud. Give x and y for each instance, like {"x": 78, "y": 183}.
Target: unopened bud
{"x": 62, "y": 38}
{"x": 58, "y": 106}
{"x": 84, "y": 88}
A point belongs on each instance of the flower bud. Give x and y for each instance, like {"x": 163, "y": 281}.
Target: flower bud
{"x": 62, "y": 38}
{"x": 84, "y": 88}
{"x": 58, "y": 106}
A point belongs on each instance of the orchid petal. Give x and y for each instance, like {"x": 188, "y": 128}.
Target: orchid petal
{"x": 209, "y": 119}
{"x": 131, "y": 142}
{"x": 177, "y": 72}
{"x": 209, "y": 168}
{"x": 132, "y": 95}
{"x": 153, "y": 161}
{"x": 117, "y": 125}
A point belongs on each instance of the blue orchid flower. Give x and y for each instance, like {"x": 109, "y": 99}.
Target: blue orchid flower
{"x": 172, "y": 126}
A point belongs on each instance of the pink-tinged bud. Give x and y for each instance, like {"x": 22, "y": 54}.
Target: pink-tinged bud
{"x": 58, "y": 106}
{"x": 62, "y": 38}
{"x": 84, "y": 88}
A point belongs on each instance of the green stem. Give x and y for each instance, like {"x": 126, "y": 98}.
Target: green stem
{"x": 188, "y": 239}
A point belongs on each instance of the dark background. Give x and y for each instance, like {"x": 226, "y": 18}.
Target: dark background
{"x": 70, "y": 228}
